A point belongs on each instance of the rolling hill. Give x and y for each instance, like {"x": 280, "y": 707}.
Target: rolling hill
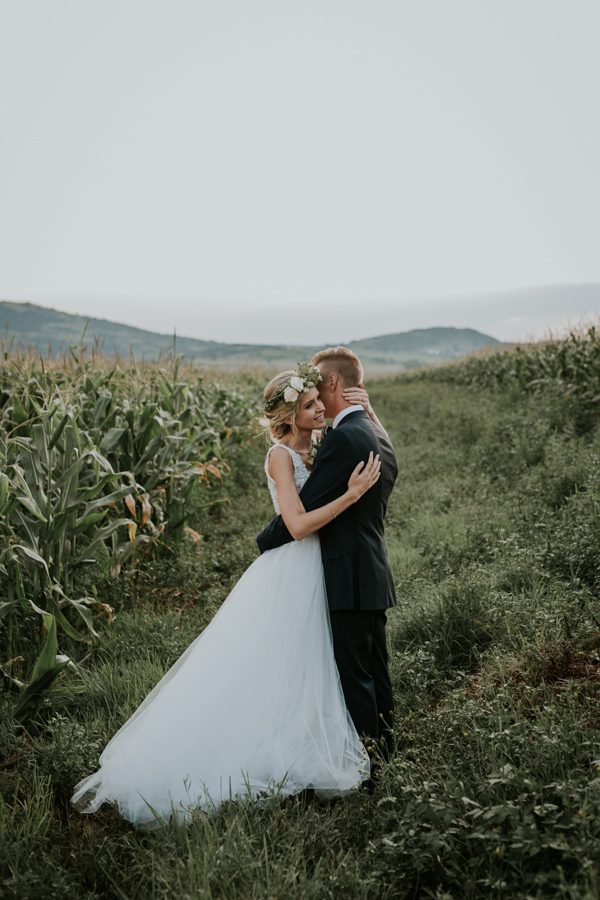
{"x": 50, "y": 332}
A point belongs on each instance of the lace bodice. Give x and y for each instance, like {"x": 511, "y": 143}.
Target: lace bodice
{"x": 301, "y": 473}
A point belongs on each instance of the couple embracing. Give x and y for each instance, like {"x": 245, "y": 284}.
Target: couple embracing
{"x": 288, "y": 688}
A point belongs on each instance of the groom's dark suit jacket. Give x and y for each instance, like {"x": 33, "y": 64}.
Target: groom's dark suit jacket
{"x": 357, "y": 572}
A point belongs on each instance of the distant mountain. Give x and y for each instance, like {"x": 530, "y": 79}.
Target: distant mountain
{"x": 421, "y": 345}
{"x": 50, "y": 332}
{"x": 522, "y": 314}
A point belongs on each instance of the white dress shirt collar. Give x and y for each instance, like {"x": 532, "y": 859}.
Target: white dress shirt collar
{"x": 345, "y": 412}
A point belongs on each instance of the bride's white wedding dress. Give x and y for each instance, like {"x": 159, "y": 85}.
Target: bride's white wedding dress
{"x": 253, "y": 707}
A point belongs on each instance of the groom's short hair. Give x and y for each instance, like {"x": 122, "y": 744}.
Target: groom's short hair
{"x": 346, "y": 365}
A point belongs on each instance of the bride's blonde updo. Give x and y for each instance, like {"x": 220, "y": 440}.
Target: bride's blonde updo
{"x": 279, "y": 421}
{"x": 282, "y": 399}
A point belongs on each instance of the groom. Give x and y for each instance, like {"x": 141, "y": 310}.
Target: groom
{"x": 357, "y": 573}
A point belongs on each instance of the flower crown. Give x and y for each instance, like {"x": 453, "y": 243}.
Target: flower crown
{"x": 298, "y": 383}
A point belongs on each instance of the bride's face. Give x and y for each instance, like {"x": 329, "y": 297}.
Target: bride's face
{"x": 311, "y": 412}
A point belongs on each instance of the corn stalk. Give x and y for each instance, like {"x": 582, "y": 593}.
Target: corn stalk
{"x": 94, "y": 461}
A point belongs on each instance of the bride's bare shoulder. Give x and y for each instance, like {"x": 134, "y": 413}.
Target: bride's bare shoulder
{"x": 279, "y": 463}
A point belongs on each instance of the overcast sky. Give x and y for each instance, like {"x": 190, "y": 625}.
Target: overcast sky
{"x": 309, "y": 170}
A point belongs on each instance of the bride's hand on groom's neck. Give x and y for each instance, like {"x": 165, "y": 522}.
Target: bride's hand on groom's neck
{"x": 357, "y": 394}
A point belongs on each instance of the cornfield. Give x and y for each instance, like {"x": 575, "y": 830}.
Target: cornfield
{"x": 568, "y": 368}
{"x": 95, "y": 460}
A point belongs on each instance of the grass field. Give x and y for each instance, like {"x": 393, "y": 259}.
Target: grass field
{"x": 494, "y": 790}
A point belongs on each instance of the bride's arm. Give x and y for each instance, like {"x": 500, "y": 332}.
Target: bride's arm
{"x": 300, "y": 523}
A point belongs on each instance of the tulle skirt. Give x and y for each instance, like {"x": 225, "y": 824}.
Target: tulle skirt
{"x": 252, "y": 709}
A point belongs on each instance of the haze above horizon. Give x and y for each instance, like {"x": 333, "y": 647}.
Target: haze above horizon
{"x": 302, "y": 173}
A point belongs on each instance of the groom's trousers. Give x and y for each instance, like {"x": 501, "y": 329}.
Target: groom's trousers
{"x": 359, "y": 645}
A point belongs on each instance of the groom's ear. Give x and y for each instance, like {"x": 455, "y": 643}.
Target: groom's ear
{"x": 361, "y": 385}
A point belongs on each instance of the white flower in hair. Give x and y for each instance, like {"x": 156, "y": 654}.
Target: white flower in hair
{"x": 301, "y": 381}
{"x": 290, "y": 395}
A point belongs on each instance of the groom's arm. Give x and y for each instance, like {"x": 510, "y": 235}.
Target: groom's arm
{"x": 328, "y": 481}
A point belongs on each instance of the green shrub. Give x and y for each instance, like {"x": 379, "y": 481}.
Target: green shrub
{"x": 458, "y": 623}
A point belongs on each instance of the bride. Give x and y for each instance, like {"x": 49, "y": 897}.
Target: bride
{"x": 254, "y": 706}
